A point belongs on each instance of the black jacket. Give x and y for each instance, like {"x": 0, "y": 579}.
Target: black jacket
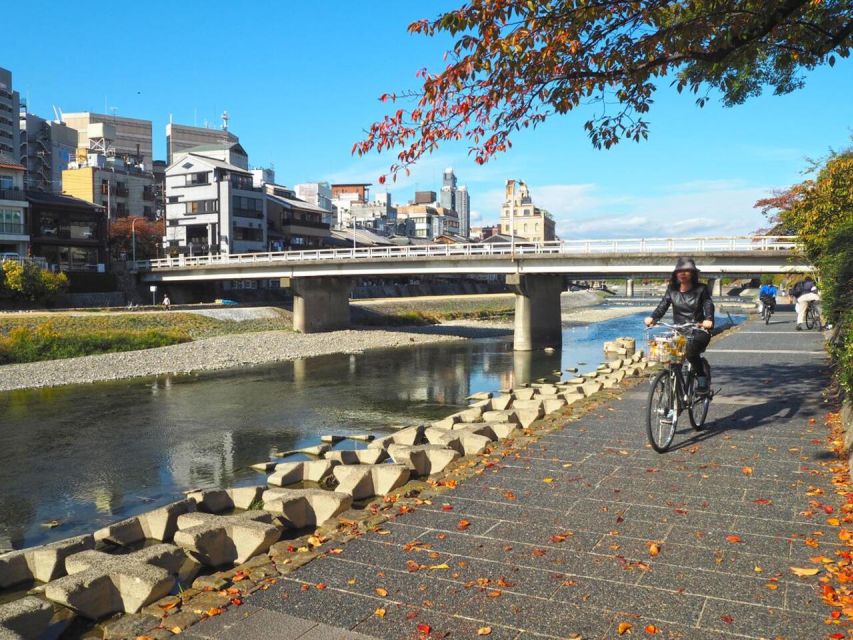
{"x": 692, "y": 306}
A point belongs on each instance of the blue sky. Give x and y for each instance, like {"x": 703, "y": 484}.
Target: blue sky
{"x": 301, "y": 80}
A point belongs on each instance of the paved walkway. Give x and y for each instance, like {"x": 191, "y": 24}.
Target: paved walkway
{"x": 572, "y": 558}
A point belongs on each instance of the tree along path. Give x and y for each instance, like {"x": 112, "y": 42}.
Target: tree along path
{"x": 589, "y": 530}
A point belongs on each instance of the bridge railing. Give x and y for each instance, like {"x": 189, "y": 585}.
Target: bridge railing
{"x": 519, "y": 248}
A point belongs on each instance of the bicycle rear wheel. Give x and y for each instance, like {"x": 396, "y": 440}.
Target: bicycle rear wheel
{"x": 767, "y": 314}
{"x": 661, "y": 414}
{"x": 698, "y": 410}
{"x": 811, "y": 320}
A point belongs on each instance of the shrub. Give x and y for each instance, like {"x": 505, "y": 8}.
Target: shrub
{"x": 30, "y": 282}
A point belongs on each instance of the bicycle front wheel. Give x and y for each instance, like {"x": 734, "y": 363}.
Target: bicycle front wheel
{"x": 699, "y": 405}
{"x": 661, "y": 415}
{"x": 767, "y": 314}
{"x": 811, "y": 320}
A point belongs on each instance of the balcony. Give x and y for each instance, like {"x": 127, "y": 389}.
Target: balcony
{"x": 12, "y": 194}
{"x": 12, "y": 228}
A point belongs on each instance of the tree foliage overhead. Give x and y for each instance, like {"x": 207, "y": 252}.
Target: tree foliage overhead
{"x": 517, "y": 62}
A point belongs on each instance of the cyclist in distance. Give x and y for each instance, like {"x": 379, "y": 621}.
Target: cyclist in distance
{"x": 691, "y": 303}
{"x": 767, "y": 297}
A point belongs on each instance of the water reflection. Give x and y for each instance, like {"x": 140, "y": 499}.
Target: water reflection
{"x": 88, "y": 455}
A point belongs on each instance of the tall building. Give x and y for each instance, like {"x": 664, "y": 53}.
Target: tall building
{"x": 181, "y": 137}
{"x": 46, "y": 149}
{"x": 344, "y": 196}
{"x": 520, "y": 217}
{"x": 9, "y": 108}
{"x": 122, "y": 189}
{"x": 320, "y": 195}
{"x": 448, "y": 190}
{"x": 463, "y": 210}
{"x": 132, "y": 141}
{"x": 14, "y": 233}
{"x": 211, "y": 203}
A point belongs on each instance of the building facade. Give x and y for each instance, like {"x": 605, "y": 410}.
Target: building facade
{"x": 448, "y": 190}
{"x": 426, "y": 221}
{"x": 14, "y": 233}
{"x": 69, "y": 233}
{"x": 320, "y": 195}
{"x": 46, "y": 149}
{"x": 520, "y": 217}
{"x": 122, "y": 189}
{"x": 212, "y": 205}
{"x": 463, "y": 209}
{"x": 293, "y": 224}
{"x": 131, "y": 141}
{"x": 181, "y": 137}
{"x": 9, "y": 110}
{"x": 344, "y": 196}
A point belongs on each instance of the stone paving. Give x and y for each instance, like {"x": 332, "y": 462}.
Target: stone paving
{"x": 589, "y": 530}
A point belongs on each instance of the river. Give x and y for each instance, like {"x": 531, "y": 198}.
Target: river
{"x": 79, "y": 457}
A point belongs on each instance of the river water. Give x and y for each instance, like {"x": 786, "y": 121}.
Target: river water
{"x": 84, "y": 456}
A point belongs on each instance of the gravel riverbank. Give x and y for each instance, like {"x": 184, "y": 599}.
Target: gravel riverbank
{"x": 248, "y": 349}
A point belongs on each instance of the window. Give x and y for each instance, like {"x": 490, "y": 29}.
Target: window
{"x": 198, "y": 178}
{"x": 202, "y": 206}
{"x": 6, "y": 182}
{"x": 172, "y": 199}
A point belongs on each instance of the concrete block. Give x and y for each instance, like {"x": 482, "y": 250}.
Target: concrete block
{"x": 576, "y": 381}
{"x": 218, "y": 540}
{"x": 501, "y": 402}
{"x": 526, "y": 417}
{"x": 358, "y": 456}
{"x": 470, "y": 440}
{"x": 523, "y": 394}
{"x": 507, "y": 415}
{"x": 480, "y": 395}
{"x": 608, "y": 382}
{"x": 99, "y": 584}
{"x": 447, "y": 422}
{"x": 571, "y": 398}
{"x": 293, "y": 472}
{"x": 211, "y": 500}
{"x": 363, "y": 481}
{"x": 43, "y": 563}
{"x": 299, "y": 508}
{"x": 482, "y": 405}
{"x": 590, "y": 375}
{"x": 406, "y": 435}
{"x": 590, "y": 388}
{"x": 245, "y": 497}
{"x": 423, "y": 459}
{"x": 553, "y": 404}
{"x": 332, "y": 439}
{"x": 547, "y": 389}
{"x": 618, "y": 375}
{"x": 502, "y": 430}
{"x": 472, "y": 414}
{"x": 159, "y": 524}
{"x": 26, "y": 618}
{"x": 526, "y": 404}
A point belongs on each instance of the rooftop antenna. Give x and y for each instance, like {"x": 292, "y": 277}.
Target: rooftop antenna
{"x": 225, "y": 121}
{"x": 57, "y": 113}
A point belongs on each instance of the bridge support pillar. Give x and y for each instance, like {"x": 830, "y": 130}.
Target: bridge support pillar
{"x": 629, "y": 288}
{"x": 320, "y": 304}
{"x": 537, "y": 311}
{"x": 716, "y": 286}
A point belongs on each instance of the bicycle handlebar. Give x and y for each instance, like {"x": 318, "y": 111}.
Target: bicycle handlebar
{"x": 680, "y": 327}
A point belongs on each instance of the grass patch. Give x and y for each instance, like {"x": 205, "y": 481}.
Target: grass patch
{"x": 46, "y": 343}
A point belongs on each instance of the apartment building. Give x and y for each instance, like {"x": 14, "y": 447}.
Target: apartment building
{"x": 131, "y": 139}
{"x": 46, "y": 149}
{"x": 14, "y": 235}
{"x": 9, "y": 108}
{"x": 211, "y": 203}
{"x": 122, "y": 189}
{"x": 519, "y": 216}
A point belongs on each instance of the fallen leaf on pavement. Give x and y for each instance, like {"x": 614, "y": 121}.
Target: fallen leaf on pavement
{"x": 727, "y": 619}
{"x": 484, "y": 631}
{"x": 381, "y": 592}
{"x": 654, "y": 549}
{"x": 747, "y": 471}
{"x": 798, "y": 571}
{"x": 548, "y": 480}
{"x": 651, "y": 629}
{"x": 379, "y": 613}
{"x": 463, "y": 524}
{"x": 424, "y": 628}
{"x": 623, "y": 628}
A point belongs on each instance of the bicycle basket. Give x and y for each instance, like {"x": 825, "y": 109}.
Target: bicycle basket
{"x": 667, "y": 349}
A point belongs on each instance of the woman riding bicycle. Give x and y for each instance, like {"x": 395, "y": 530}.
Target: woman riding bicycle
{"x": 691, "y": 302}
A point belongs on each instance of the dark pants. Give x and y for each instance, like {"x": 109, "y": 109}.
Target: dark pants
{"x": 695, "y": 348}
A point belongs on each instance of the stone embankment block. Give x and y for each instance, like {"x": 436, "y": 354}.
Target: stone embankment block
{"x": 501, "y": 402}
{"x": 313, "y": 451}
{"x": 470, "y": 415}
{"x": 25, "y": 619}
{"x": 292, "y": 472}
{"x": 483, "y": 405}
{"x": 507, "y": 415}
{"x": 299, "y": 508}
{"x": 100, "y": 584}
{"x": 480, "y": 395}
{"x": 217, "y": 540}
{"x": 406, "y": 435}
{"x": 470, "y": 440}
{"x": 159, "y": 524}
{"x": 533, "y": 403}
{"x": 358, "y": 456}
{"x": 523, "y": 394}
{"x": 527, "y": 417}
{"x": 363, "y": 481}
{"x": 423, "y": 459}
{"x": 447, "y": 422}
{"x": 43, "y": 563}
{"x": 502, "y": 430}
{"x": 219, "y": 500}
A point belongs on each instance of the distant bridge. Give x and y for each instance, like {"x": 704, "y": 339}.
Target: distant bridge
{"x": 321, "y": 279}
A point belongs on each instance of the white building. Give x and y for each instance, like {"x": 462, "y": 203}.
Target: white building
{"x": 181, "y": 137}
{"x": 211, "y": 204}
{"x": 320, "y": 195}
{"x": 14, "y": 232}
{"x": 9, "y": 107}
{"x": 261, "y": 176}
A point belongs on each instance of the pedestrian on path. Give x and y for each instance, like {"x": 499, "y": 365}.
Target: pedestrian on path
{"x": 167, "y": 304}
{"x": 691, "y": 303}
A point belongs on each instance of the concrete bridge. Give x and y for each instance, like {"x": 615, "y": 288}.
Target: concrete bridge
{"x": 321, "y": 280}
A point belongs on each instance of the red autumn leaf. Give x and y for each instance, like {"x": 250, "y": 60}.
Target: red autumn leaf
{"x": 538, "y": 552}
{"x": 424, "y": 628}
{"x": 236, "y": 602}
{"x": 733, "y": 539}
{"x": 320, "y": 585}
{"x": 763, "y": 501}
{"x": 727, "y": 619}
{"x": 447, "y": 507}
{"x": 463, "y": 524}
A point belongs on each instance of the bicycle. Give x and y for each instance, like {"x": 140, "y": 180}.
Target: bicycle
{"x": 767, "y": 309}
{"x": 812, "y": 316}
{"x": 674, "y": 388}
